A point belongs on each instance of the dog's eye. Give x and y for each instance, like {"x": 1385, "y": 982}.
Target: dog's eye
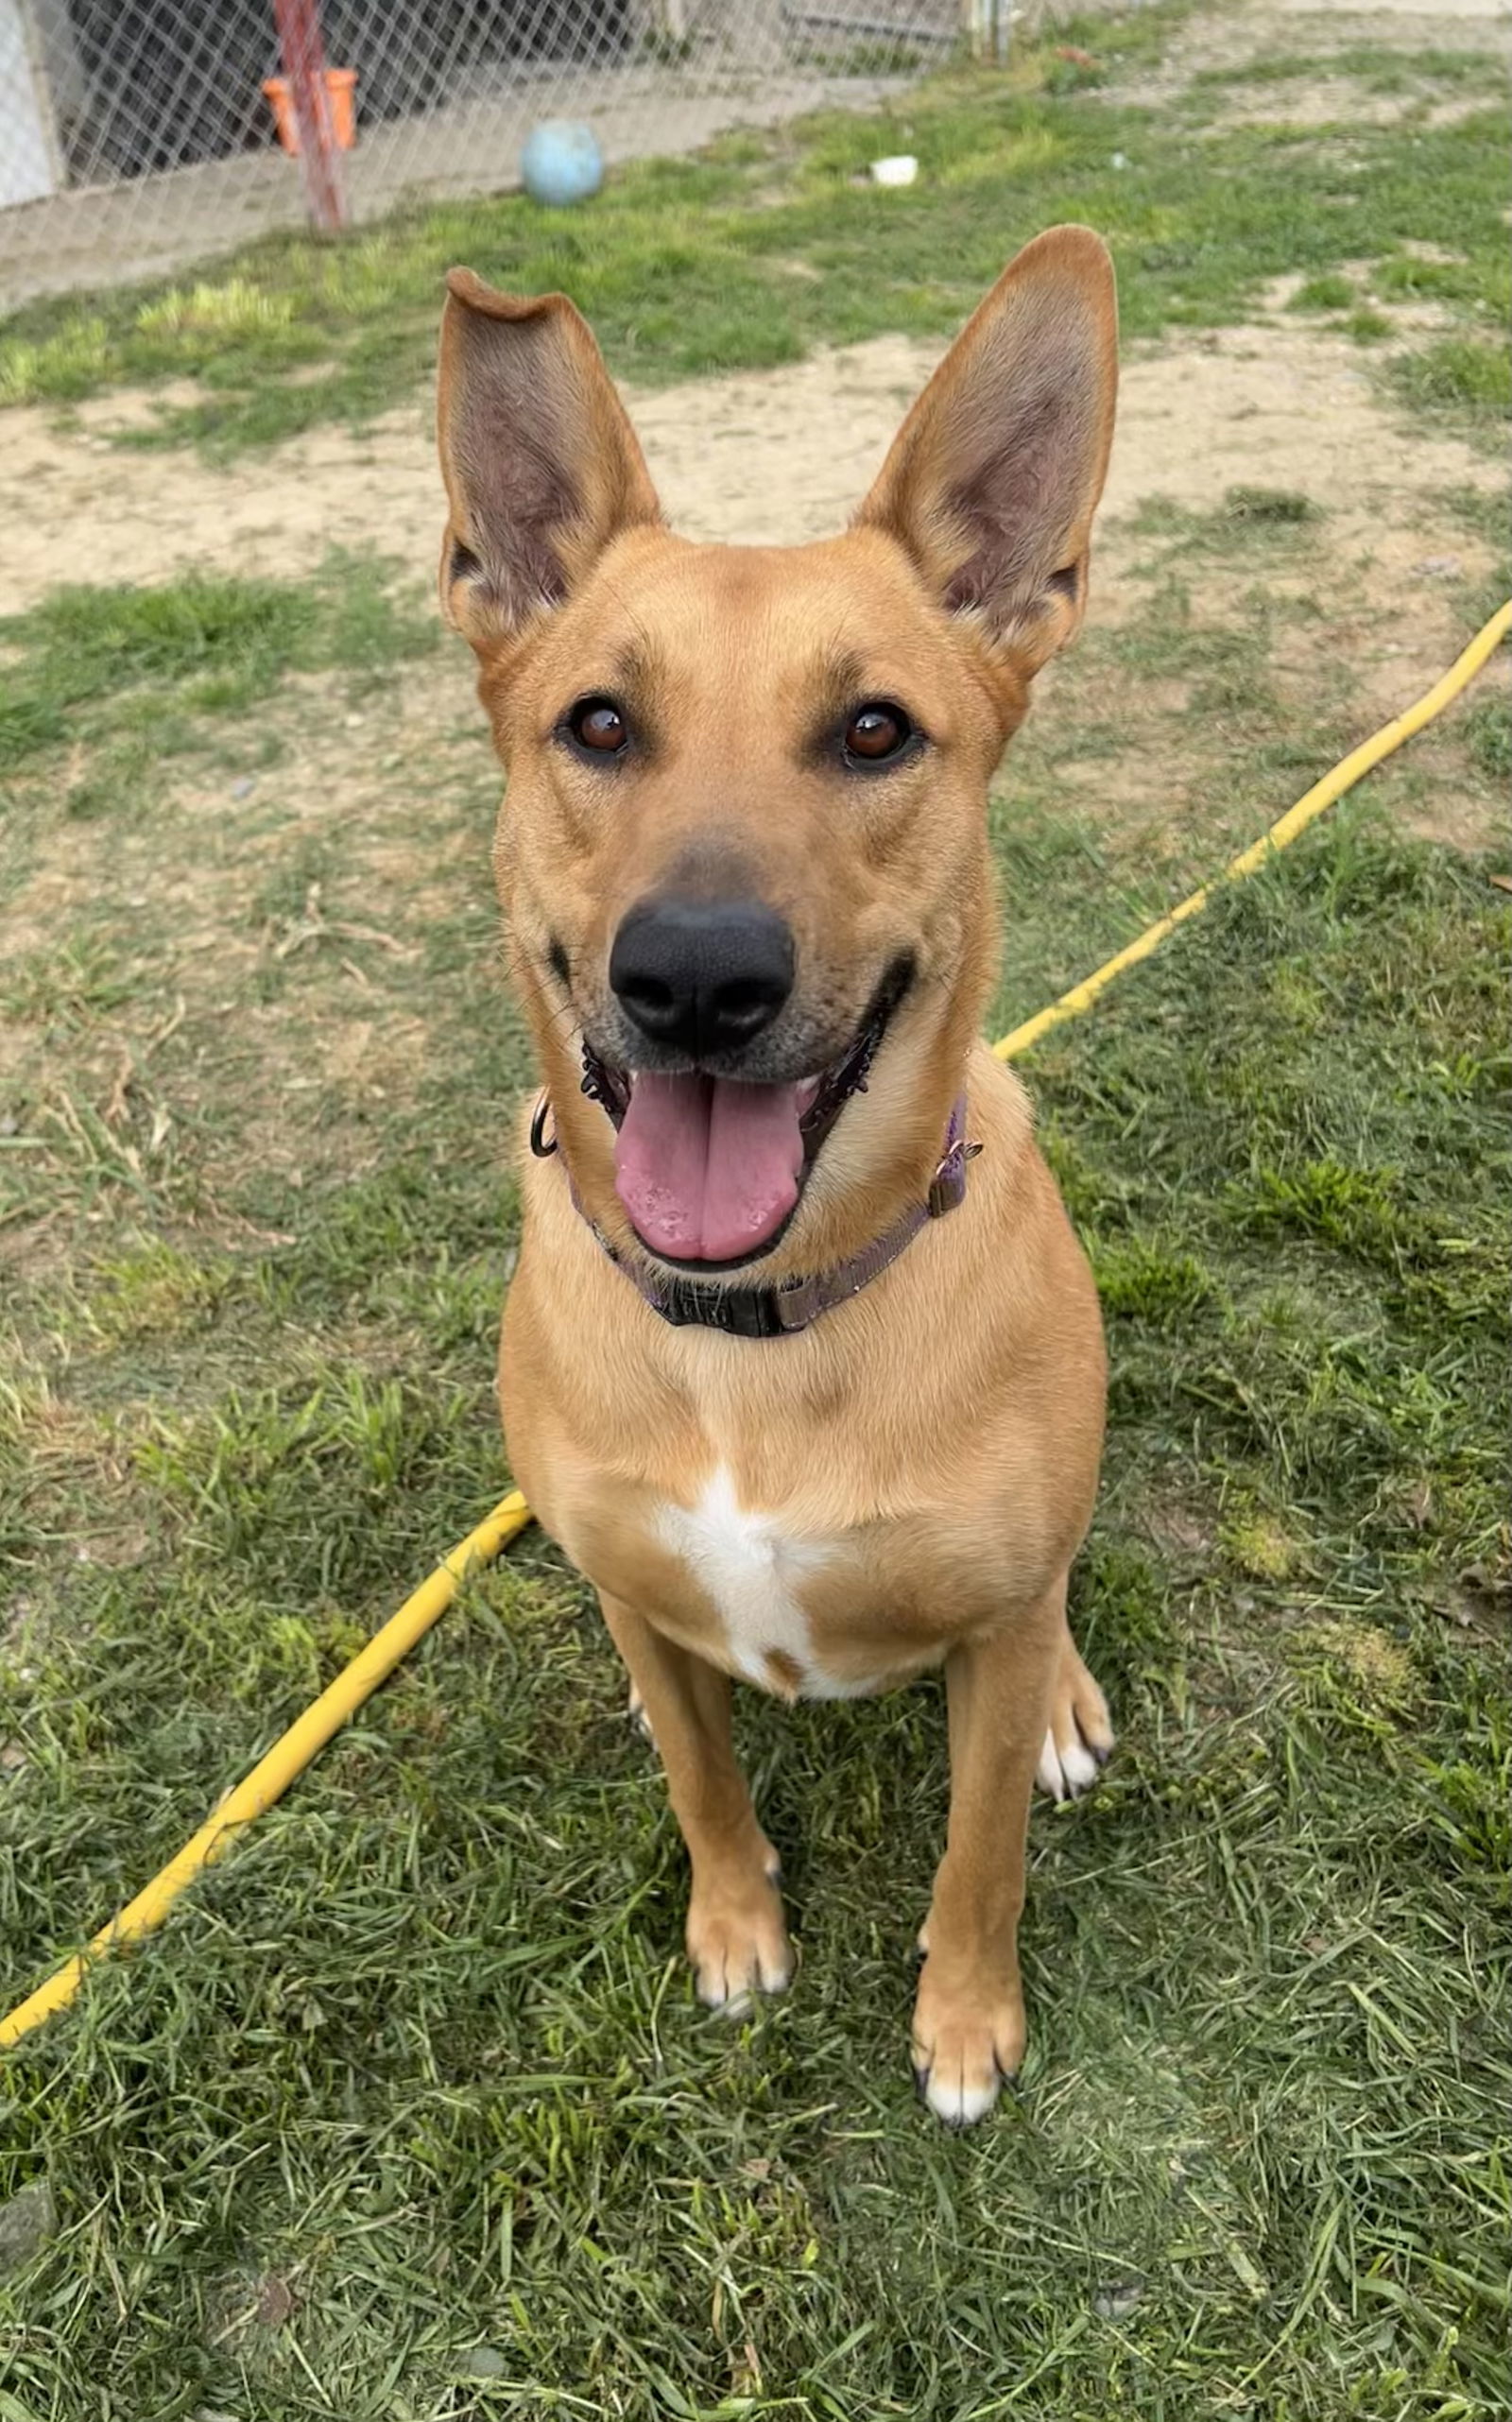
{"x": 876, "y": 732}
{"x": 598, "y": 724}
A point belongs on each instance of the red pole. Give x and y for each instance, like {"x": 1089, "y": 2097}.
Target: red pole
{"x": 299, "y": 34}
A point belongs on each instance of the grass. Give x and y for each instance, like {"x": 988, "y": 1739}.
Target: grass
{"x": 409, "y": 2113}
{"x": 110, "y": 687}
{"x": 1328, "y": 292}
{"x": 1279, "y": 507}
{"x": 1462, "y": 374}
{"x": 686, "y": 266}
{"x": 1490, "y": 738}
{"x": 206, "y": 644}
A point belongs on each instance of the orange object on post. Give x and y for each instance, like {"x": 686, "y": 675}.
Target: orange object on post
{"x": 340, "y": 84}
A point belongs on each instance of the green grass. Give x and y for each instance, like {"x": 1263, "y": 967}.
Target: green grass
{"x": 409, "y": 2112}
{"x": 1377, "y": 67}
{"x": 1489, "y": 730}
{"x": 1368, "y": 327}
{"x": 108, "y": 689}
{"x": 206, "y": 644}
{"x": 1462, "y": 374}
{"x": 1279, "y": 507}
{"x": 685, "y": 267}
{"x": 1328, "y": 292}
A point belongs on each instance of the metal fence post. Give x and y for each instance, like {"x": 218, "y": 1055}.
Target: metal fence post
{"x": 299, "y": 34}
{"x": 987, "y": 26}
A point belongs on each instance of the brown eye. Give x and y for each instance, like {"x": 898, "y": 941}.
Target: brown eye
{"x": 876, "y": 732}
{"x": 597, "y": 723}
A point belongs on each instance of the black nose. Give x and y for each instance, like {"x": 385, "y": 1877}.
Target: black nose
{"x": 702, "y": 976}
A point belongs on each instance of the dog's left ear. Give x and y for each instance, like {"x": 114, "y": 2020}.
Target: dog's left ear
{"x": 542, "y": 466}
{"x": 992, "y": 481}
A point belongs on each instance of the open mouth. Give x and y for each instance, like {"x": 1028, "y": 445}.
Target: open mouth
{"x": 710, "y": 1170}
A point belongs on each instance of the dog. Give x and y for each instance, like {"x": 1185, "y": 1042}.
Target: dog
{"x": 802, "y": 1366}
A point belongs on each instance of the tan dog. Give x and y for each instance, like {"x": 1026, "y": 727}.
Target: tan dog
{"x": 807, "y": 1402}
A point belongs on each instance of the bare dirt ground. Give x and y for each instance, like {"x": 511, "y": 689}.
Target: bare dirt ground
{"x": 782, "y": 456}
{"x": 1303, "y": 28}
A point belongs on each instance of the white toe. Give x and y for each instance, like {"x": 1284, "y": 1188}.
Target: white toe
{"x": 738, "y": 2000}
{"x": 1066, "y": 1769}
{"x": 958, "y": 2105}
{"x": 1080, "y": 1767}
{"x": 1047, "y": 1774}
{"x": 731, "y": 1988}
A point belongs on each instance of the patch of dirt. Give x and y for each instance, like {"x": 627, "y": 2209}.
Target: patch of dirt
{"x": 125, "y": 410}
{"x": 1327, "y": 100}
{"x": 1440, "y": 22}
{"x": 1220, "y": 40}
{"x": 784, "y": 455}
{"x": 773, "y": 455}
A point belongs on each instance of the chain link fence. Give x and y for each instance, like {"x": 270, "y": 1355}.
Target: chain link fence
{"x": 137, "y": 135}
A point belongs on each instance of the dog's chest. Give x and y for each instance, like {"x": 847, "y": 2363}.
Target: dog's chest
{"x": 751, "y": 1565}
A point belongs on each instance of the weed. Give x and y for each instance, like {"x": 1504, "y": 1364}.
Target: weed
{"x": 1466, "y": 376}
{"x": 1330, "y": 292}
{"x": 1367, "y": 327}
{"x": 1070, "y": 69}
{"x": 235, "y": 308}
{"x": 1278, "y": 507}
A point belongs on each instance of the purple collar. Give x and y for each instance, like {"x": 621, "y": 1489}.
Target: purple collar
{"x": 782, "y": 1309}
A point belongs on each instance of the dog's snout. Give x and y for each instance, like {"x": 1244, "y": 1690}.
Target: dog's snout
{"x": 702, "y": 976}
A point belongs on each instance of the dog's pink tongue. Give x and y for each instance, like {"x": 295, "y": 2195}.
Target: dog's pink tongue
{"x": 707, "y": 1169}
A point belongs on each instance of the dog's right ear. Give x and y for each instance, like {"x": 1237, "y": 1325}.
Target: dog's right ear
{"x": 542, "y": 466}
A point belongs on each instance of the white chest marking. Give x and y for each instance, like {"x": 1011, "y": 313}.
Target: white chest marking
{"x": 750, "y": 1566}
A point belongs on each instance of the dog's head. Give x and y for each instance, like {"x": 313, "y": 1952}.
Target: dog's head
{"x": 744, "y": 842}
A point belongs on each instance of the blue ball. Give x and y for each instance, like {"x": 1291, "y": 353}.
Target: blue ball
{"x": 561, "y": 162}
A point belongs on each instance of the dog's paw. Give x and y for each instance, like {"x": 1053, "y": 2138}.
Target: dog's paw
{"x": 738, "y": 1941}
{"x": 1080, "y": 1738}
{"x": 967, "y": 2043}
{"x": 636, "y": 1713}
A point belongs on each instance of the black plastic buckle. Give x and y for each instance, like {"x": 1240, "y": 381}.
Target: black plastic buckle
{"x": 736, "y": 1312}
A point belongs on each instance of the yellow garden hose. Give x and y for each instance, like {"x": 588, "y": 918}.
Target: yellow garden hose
{"x": 289, "y": 1756}
{"x": 1285, "y": 829}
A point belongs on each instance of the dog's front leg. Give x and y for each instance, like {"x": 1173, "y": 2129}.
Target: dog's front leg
{"x": 968, "y": 2027}
{"x": 736, "y": 1939}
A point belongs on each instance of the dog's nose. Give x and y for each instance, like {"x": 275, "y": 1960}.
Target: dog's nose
{"x": 702, "y": 976}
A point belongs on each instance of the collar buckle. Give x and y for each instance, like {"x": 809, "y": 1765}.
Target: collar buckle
{"x": 736, "y": 1312}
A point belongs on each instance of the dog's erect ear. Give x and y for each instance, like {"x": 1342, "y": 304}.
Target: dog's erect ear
{"x": 542, "y": 466}
{"x": 992, "y": 481}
